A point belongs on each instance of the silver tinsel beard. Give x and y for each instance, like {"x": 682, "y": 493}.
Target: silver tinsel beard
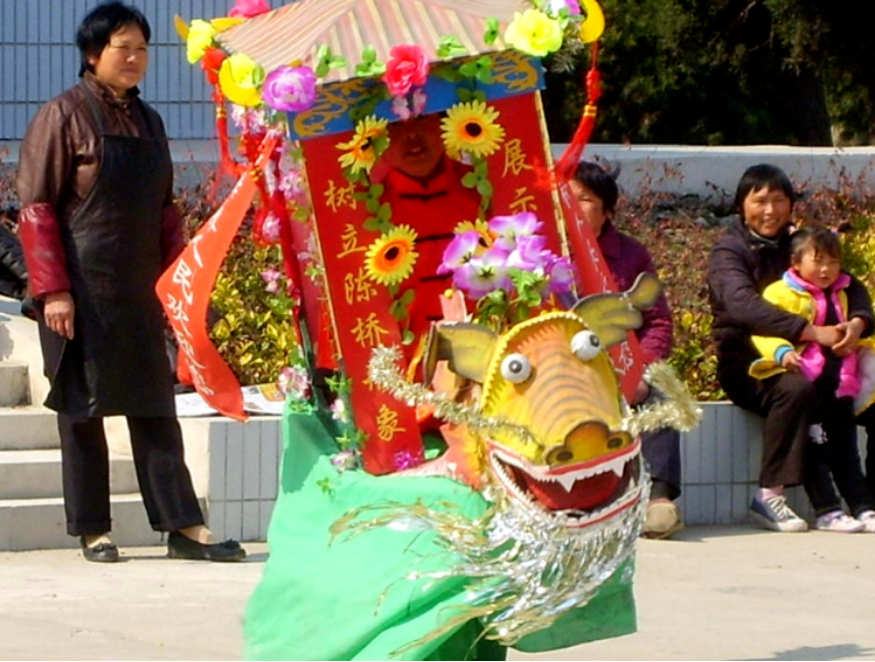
{"x": 525, "y": 569}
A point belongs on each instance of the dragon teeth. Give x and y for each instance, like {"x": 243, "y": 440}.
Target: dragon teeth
{"x": 567, "y": 481}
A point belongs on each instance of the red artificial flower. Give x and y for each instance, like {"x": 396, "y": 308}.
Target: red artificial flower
{"x": 249, "y": 8}
{"x": 212, "y": 62}
{"x": 407, "y": 67}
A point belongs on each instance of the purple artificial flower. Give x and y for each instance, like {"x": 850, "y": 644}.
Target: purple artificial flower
{"x": 271, "y": 277}
{"x": 560, "y": 273}
{"x": 508, "y": 228}
{"x": 406, "y": 460}
{"x": 345, "y": 460}
{"x": 338, "y": 410}
{"x": 294, "y": 381}
{"x": 290, "y": 89}
{"x": 459, "y": 251}
{"x": 554, "y": 6}
{"x": 419, "y": 101}
{"x": 252, "y": 120}
{"x": 484, "y": 274}
{"x": 530, "y": 254}
{"x": 401, "y": 108}
{"x": 270, "y": 229}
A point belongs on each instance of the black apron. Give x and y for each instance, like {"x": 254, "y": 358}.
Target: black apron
{"x": 116, "y": 364}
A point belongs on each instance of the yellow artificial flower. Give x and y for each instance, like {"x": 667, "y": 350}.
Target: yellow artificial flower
{"x": 390, "y": 258}
{"x": 200, "y": 37}
{"x": 481, "y": 227}
{"x": 470, "y": 127}
{"x": 534, "y": 33}
{"x": 240, "y": 78}
{"x": 360, "y": 151}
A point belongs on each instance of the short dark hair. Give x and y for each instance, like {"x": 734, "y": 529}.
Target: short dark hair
{"x": 599, "y": 181}
{"x": 763, "y": 176}
{"x": 101, "y": 23}
{"x": 821, "y": 239}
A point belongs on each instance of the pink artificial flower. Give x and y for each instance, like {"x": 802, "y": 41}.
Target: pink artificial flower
{"x": 338, "y": 410}
{"x": 271, "y": 277}
{"x": 290, "y": 89}
{"x": 295, "y": 381}
{"x": 419, "y": 100}
{"x": 270, "y": 229}
{"x": 407, "y": 67}
{"x": 530, "y": 253}
{"x": 249, "y": 8}
{"x": 573, "y": 7}
{"x": 483, "y": 274}
{"x": 400, "y": 108}
{"x": 459, "y": 251}
{"x": 507, "y": 228}
{"x": 560, "y": 273}
{"x": 407, "y": 460}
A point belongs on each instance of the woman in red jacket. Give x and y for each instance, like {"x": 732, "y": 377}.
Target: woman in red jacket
{"x": 98, "y": 226}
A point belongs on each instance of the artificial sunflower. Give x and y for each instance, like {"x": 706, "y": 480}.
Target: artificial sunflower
{"x": 471, "y": 127}
{"x": 481, "y": 228}
{"x": 390, "y": 259}
{"x": 370, "y": 140}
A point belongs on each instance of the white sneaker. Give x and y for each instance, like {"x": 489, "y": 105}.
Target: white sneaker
{"x": 837, "y": 522}
{"x": 775, "y": 514}
{"x": 867, "y": 517}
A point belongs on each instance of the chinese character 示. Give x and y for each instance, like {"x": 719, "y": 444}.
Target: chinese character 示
{"x": 524, "y": 201}
{"x": 387, "y": 423}
{"x": 339, "y": 196}
{"x": 350, "y": 239}
{"x": 357, "y": 287}
{"x": 515, "y": 158}
{"x": 368, "y": 332}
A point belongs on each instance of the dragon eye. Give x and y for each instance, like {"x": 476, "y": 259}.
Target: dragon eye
{"x": 586, "y": 345}
{"x": 516, "y": 368}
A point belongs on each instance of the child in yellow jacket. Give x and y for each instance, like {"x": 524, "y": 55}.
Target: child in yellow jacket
{"x": 813, "y": 288}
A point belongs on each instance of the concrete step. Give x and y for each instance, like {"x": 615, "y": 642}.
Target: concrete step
{"x": 40, "y": 524}
{"x": 36, "y": 474}
{"x": 14, "y": 387}
{"x": 28, "y": 428}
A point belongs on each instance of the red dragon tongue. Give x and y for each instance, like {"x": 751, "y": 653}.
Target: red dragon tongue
{"x": 584, "y": 495}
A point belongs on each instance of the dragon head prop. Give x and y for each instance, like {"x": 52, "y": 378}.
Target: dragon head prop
{"x": 540, "y": 415}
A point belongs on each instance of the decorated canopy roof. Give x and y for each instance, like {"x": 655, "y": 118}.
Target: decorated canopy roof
{"x": 294, "y": 32}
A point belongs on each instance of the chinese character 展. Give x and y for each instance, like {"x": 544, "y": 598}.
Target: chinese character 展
{"x": 515, "y": 158}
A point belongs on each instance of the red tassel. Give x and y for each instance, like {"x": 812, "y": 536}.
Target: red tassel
{"x": 567, "y": 163}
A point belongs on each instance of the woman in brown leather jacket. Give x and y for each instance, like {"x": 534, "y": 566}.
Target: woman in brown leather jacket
{"x": 98, "y": 226}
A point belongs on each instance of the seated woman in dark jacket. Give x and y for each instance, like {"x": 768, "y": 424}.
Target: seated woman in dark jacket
{"x": 751, "y": 255}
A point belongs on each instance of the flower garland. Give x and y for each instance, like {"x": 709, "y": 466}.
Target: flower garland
{"x": 505, "y": 267}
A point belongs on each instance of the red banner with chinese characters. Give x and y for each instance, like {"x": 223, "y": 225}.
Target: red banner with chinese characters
{"x": 184, "y": 291}
{"x": 359, "y": 310}
{"x": 519, "y": 169}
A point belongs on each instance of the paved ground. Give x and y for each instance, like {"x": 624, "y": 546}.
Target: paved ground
{"x": 715, "y": 593}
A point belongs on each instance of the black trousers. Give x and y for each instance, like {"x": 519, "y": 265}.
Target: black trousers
{"x": 836, "y": 460}
{"x": 788, "y": 402}
{"x": 867, "y": 420}
{"x": 662, "y": 451}
{"x": 165, "y": 482}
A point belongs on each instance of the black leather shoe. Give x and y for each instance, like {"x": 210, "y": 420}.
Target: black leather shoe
{"x": 182, "y": 547}
{"x": 105, "y": 552}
